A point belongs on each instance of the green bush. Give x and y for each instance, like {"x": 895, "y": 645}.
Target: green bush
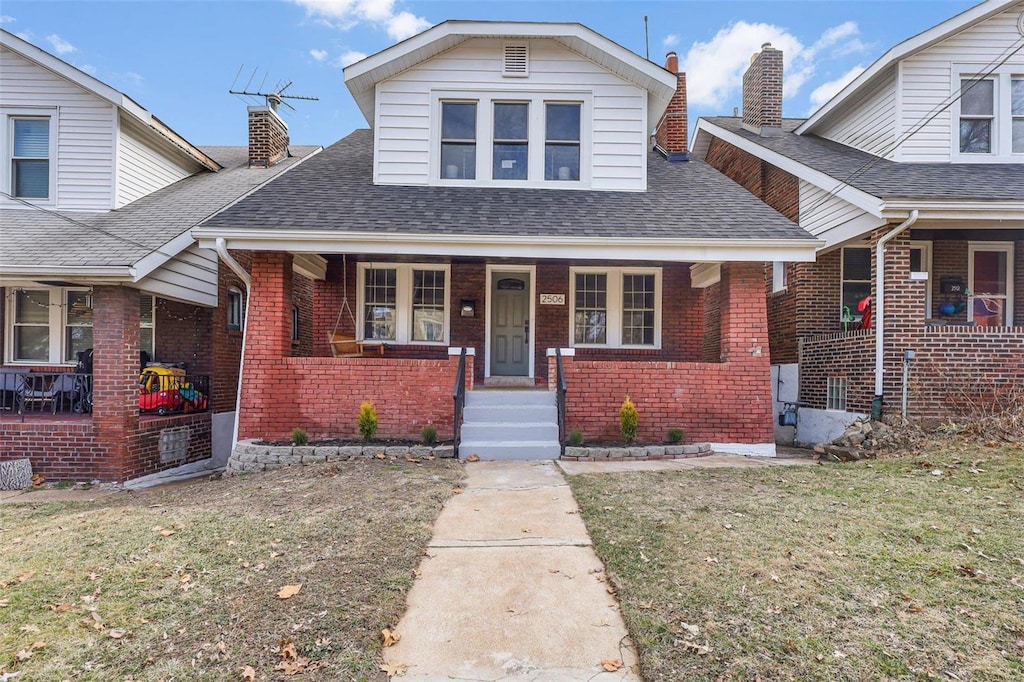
{"x": 628, "y": 420}
{"x": 675, "y": 436}
{"x": 575, "y": 437}
{"x": 299, "y": 437}
{"x": 367, "y": 420}
{"x": 428, "y": 435}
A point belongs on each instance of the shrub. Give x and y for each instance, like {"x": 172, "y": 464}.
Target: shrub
{"x": 675, "y": 436}
{"x": 299, "y": 437}
{"x": 628, "y": 420}
{"x": 575, "y": 437}
{"x": 367, "y": 420}
{"x": 428, "y": 435}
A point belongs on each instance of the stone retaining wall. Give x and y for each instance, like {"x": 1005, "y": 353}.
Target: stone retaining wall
{"x": 640, "y": 452}
{"x": 250, "y": 457}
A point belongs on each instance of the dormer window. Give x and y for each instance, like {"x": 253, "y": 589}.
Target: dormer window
{"x": 562, "y": 142}
{"x": 458, "y": 140}
{"x": 977, "y": 111}
{"x": 1017, "y": 112}
{"x": 511, "y": 140}
{"x": 30, "y": 157}
{"x": 988, "y": 114}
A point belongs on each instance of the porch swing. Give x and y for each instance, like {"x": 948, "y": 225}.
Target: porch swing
{"x": 345, "y": 345}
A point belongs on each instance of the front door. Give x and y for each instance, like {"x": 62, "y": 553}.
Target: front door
{"x": 510, "y": 324}
{"x": 990, "y": 280}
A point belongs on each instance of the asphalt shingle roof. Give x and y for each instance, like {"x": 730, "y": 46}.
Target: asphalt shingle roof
{"x": 335, "y": 191}
{"x": 128, "y": 234}
{"x": 884, "y": 178}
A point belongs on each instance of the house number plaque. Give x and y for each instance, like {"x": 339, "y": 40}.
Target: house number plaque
{"x": 552, "y": 299}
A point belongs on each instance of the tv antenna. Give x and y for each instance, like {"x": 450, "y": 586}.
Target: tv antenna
{"x": 273, "y": 97}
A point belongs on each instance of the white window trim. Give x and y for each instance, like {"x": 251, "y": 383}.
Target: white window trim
{"x": 151, "y": 325}
{"x": 57, "y": 323}
{"x": 925, "y": 274}
{"x": 857, "y": 315}
{"x": 1002, "y": 124}
{"x": 536, "y": 98}
{"x": 7, "y": 116}
{"x": 403, "y": 300}
{"x": 1005, "y": 247}
{"x": 236, "y": 294}
{"x": 780, "y": 277}
{"x": 614, "y": 298}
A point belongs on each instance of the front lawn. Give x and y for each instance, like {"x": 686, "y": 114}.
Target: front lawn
{"x": 182, "y": 583}
{"x": 903, "y": 568}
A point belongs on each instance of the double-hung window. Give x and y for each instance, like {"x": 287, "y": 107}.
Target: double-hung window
{"x": 511, "y": 156}
{"x": 989, "y": 111}
{"x": 458, "y": 140}
{"x": 404, "y": 303}
{"x": 49, "y": 325}
{"x": 856, "y": 279}
{"x": 616, "y": 307}
{"x": 562, "y": 141}
{"x": 235, "y": 310}
{"x": 30, "y": 157}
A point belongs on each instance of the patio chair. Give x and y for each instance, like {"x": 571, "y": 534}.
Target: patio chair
{"x": 43, "y": 388}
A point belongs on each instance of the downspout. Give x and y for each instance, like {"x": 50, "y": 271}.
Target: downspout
{"x": 879, "y": 312}
{"x": 222, "y": 250}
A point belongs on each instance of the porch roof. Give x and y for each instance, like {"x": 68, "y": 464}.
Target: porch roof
{"x": 880, "y": 177}
{"x": 334, "y": 194}
{"x": 42, "y": 242}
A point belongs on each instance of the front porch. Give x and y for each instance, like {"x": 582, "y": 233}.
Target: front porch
{"x": 691, "y": 357}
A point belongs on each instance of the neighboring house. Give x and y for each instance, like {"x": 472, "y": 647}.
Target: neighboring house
{"x": 97, "y": 197}
{"x": 922, "y": 154}
{"x": 507, "y": 200}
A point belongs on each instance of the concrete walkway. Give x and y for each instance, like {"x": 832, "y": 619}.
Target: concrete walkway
{"x": 511, "y": 588}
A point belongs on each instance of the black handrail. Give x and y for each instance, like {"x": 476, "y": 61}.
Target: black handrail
{"x": 24, "y": 392}
{"x": 459, "y": 396}
{"x": 561, "y": 389}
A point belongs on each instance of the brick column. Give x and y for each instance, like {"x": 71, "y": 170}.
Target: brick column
{"x": 115, "y": 412}
{"x": 268, "y": 341}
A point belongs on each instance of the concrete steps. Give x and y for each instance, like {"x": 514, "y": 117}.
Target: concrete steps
{"x": 510, "y": 424}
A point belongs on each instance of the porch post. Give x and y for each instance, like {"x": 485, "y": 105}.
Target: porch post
{"x": 115, "y": 411}
{"x": 268, "y": 341}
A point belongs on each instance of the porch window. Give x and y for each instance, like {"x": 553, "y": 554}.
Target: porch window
{"x": 856, "y": 279}
{"x": 990, "y": 270}
{"x": 404, "y": 303}
{"x": 616, "y": 307}
{"x": 49, "y": 325}
{"x": 30, "y": 158}
{"x": 147, "y": 324}
{"x": 77, "y": 323}
{"x": 977, "y": 111}
{"x": 562, "y": 142}
{"x": 31, "y": 325}
{"x": 511, "y": 140}
{"x": 458, "y": 140}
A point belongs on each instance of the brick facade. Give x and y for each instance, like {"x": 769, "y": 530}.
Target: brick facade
{"x": 762, "y": 89}
{"x": 268, "y": 137}
{"x": 671, "y": 133}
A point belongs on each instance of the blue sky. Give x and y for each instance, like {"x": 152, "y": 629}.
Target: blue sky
{"x": 178, "y": 59}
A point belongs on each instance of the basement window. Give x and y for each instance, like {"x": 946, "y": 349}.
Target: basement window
{"x": 836, "y": 397}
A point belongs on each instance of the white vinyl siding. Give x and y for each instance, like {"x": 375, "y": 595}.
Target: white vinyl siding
{"x": 614, "y": 124}
{"x": 869, "y": 124}
{"x": 929, "y": 77}
{"x": 84, "y": 131}
{"x": 142, "y": 168}
{"x": 190, "y": 276}
{"x": 831, "y": 218}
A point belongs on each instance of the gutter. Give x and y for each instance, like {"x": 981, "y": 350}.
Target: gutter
{"x": 879, "y": 313}
{"x": 221, "y": 247}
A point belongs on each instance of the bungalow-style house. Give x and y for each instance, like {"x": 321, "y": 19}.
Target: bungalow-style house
{"x": 913, "y": 178}
{"x": 507, "y": 221}
{"x": 97, "y": 197}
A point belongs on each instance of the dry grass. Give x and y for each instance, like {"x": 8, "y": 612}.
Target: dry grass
{"x": 200, "y": 604}
{"x": 874, "y": 570}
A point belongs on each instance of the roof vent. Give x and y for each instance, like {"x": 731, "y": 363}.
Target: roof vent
{"x": 517, "y": 62}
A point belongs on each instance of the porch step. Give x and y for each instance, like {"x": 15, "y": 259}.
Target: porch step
{"x": 510, "y": 424}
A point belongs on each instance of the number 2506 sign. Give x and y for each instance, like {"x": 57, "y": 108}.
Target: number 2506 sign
{"x": 552, "y": 299}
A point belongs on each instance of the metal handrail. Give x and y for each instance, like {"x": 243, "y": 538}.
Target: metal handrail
{"x": 459, "y": 397}
{"x": 24, "y": 392}
{"x": 562, "y": 387}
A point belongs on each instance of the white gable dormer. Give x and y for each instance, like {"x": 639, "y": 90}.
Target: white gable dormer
{"x": 511, "y": 105}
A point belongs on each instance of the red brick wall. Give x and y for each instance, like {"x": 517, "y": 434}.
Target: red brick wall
{"x": 672, "y": 130}
{"x": 268, "y": 138}
{"x": 115, "y": 373}
{"x": 144, "y": 448}
{"x": 302, "y": 298}
{"x": 851, "y": 356}
{"x": 227, "y": 343}
{"x": 762, "y": 89}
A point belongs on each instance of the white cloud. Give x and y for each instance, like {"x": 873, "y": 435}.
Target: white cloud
{"x": 318, "y": 55}
{"x": 60, "y": 45}
{"x": 6, "y": 19}
{"x": 671, "y": 40}
{"x": 350, "y": 57}
{"x": 715, "y": 68}
{"x": 344, "y": 14}
{"x": 827, "y": 91}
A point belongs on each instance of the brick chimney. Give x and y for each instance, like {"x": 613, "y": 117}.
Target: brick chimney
{"x": 762, "y": 89}
{"x": 670, "y": 136}
{"x": 268, "y": 135}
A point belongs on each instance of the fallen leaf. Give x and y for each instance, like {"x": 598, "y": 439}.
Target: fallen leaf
{"x": 394, "y": 668}
{"x": 473, "y": 458}
{"x": 4, "y": 602}
{"x": 457, "y": 491}
{"x": 692, "y": 629}
{"x": 116, "y": 633}
{"x": 25, "y": 576}
{"x": 26, "y": 654}
{"x": 379, "y": 455}
{"x": 289, "y": 591}
{"x": 167, "y": 533}
{"x": 390, "y": 637}
{"x": 29, "y": 628}
{"x": 611, "y": 664}
{"x": 60, "y": 608}
{"x": 248, "y": 674}
{"x": 699, "y": 649}
{"x": 38, "y": 480}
